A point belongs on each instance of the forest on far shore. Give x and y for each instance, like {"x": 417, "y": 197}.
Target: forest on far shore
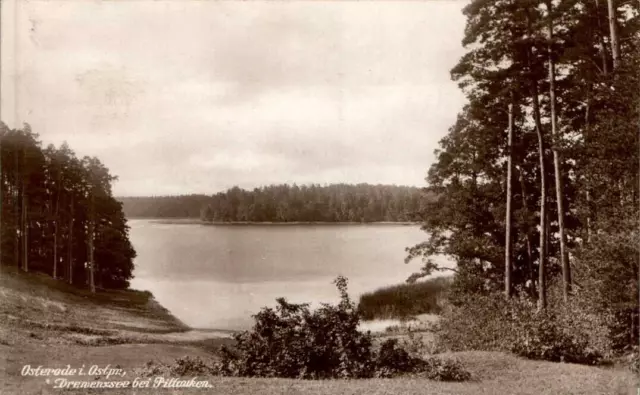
{"x": 287, "y": 203}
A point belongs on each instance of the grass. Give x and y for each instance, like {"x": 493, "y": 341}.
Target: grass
{"x": 494, "y": 373}
{"x": 36, "y": 308}
{"x": 404, "y": 300}
{"x": 42, "y": 301}
{"x": 45, "y": 322}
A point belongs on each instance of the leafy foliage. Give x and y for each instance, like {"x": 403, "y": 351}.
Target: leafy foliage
{"x": 493, "y": 323}
{"x": 529, "y": 55}
{"x": 607, "y": 280}
{"x": 54, "y": 205}
{"x": 293, "y": 341}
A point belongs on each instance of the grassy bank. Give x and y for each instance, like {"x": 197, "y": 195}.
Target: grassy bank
{"x": 404, "y": 300}
{"x": 49, "y": 323}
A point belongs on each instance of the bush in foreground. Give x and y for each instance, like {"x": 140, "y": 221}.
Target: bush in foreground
{"x": 494, "y": 324}
{"x": 291, "y": 341}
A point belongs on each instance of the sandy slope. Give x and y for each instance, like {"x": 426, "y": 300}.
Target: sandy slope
{"x": 46, "y": 322}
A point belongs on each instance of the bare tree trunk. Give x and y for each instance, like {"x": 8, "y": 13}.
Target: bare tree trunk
{"x": 70, "y": 249}
{"x": 603, "y": 46}
{"x": 56, "y": 226}
{"x": 527, "y": 233}
{"x": 17, "y": 213}
{"x": 542, "y": 285}
{"x": 92, "y": 283}
{"x": 588, "y": 216}
{"x": 55, "y": 251}
{"x": 507, "y": 250}
{"x": 613, "y": 31}
{"x": 25, "y": 233}
{"x": 1, "y": 197}
{"x": 564, "y": 259}
{"x": 25, "y": 208}
{"x": 55, "y": 230}
{"x": 547, "y": 232}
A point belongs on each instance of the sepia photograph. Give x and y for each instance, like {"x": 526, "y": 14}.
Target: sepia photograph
{"x": 313, "y": 197}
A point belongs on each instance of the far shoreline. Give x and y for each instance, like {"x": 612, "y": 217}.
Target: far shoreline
{"x": 194, "y": 221}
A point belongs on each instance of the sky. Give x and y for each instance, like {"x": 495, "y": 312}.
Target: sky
{"x": 179, "y": 97}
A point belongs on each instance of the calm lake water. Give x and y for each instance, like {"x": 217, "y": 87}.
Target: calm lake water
{"x": 217, "y": 276}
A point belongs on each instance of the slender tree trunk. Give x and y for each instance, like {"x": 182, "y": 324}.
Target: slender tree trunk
{"x": 2, "y": 189}
{"x": 25, "y": 217}
{"x": 547, "y": 241}
{"x": 92, "y": 283}
{"x": 25, "y": 233}
{"x": 70, "y": 249}
{"x": 603, "y": 45}
{"x": 613, "y": 32}
{"x": 542, "y": 284}
{"x": 55, "y": 248}
{"x": 17, "y": 212}
{"x": 589, "y": 231}
{"x": 1, "y": 197}
{"x": 564, "y": 259}
{"x": 55, "y": 251}
{"x": 55, "y": 228}
{"x": 529, "y": 243}
{"x": 507, "y": 242}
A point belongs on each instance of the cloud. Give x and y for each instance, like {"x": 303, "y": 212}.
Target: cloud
{"x": 182, "y": 97}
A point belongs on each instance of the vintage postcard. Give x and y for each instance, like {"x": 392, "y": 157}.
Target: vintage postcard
{"x": 319, "y": 197}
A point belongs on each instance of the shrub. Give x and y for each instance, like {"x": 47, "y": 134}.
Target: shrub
{"x": 477, "y": 323}
{"x": 543, "y": 337}
{"x": 607, "y": 274}
{"x": 293, "y": 342}
{"x": 446, "y": 370}
{"x": 393, "y": 361}
{"x": 495, "y": 324}
{"x": 414, "y": 343}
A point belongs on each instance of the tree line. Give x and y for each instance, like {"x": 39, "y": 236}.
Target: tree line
{"x": 287, "y": 203}
{"x": 58, "y": 214}
{"x": 537, "y": 180}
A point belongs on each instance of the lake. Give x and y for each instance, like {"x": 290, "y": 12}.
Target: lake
{"x": 217, "y": 276}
